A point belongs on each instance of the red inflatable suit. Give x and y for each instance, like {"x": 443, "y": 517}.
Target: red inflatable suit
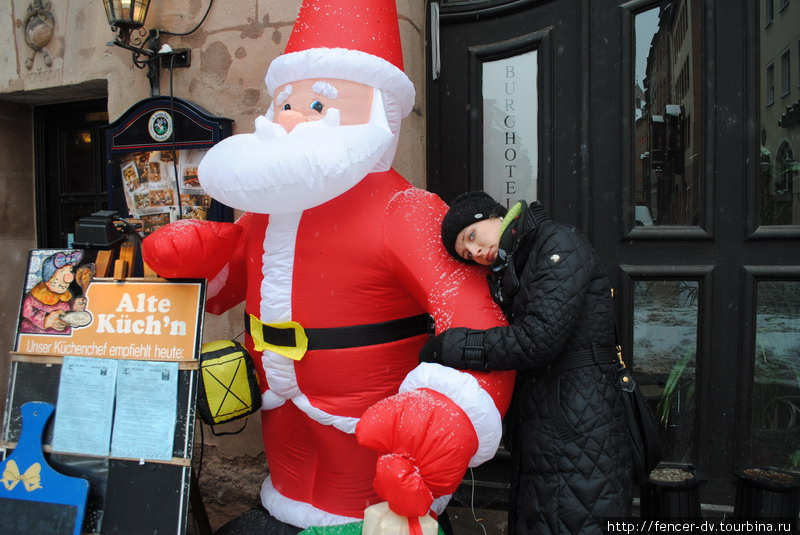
{"x": 341, "y": 266}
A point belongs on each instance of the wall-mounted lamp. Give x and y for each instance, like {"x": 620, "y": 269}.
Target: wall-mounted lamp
{"x": 128, "y": 16}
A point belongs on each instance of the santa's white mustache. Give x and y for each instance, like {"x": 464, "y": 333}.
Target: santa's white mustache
{"x": 272, "y": 171}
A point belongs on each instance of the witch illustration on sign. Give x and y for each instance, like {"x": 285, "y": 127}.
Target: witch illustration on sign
{"x": 50, "y": 307}
{"x": 340, "y": 263}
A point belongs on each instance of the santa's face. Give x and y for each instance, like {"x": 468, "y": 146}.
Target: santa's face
{"x": 327, "y": 135}
{"x": 310, "y": 100}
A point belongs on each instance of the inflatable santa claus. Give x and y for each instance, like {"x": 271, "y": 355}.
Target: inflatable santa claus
{"x": 343, "y": 272}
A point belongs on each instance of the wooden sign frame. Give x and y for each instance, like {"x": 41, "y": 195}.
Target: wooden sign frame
{"x": 127, "y": 496}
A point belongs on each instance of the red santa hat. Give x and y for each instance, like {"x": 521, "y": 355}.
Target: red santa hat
{"x": 356, "y": 40}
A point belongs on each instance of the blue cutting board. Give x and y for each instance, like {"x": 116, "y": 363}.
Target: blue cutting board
{"x": 34, "y": 498}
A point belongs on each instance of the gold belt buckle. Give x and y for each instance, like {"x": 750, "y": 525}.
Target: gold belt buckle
{"x": 294, "y": 352}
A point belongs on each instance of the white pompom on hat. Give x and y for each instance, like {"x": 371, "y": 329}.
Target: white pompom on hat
{"x": 355, "y": 40}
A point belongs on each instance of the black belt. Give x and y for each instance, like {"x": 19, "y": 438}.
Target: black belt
{"x": 351, "y": 336}
{"x": 585, "y": 357}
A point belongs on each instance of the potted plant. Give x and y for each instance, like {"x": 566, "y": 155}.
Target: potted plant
{"x": 671, "y": 385}
{"x": 766, "y": 493}
{"x": 671, "y": 492}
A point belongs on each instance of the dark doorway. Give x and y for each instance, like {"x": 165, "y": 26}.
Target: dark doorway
{"x": 69, "y": 173}
{"x": 656, "y": 129}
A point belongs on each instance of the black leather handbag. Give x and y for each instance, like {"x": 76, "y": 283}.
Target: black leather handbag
{"x": 642, "y": 425}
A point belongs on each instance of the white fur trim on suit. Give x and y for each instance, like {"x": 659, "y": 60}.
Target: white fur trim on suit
{"x": 276, "y": 302}
{"x": 300, "y": 514}
{"x": 278, "y": 267}
{"x": 464, "y": 390}
{"x": 346, "y": 424}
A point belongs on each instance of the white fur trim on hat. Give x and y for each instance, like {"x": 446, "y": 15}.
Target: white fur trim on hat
{"x": 342, "y": 64}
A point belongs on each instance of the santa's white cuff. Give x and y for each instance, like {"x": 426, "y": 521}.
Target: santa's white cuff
{"x": 463, "y": 389}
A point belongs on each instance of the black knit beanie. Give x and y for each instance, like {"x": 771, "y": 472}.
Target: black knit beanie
{"x": 466, "y": 209}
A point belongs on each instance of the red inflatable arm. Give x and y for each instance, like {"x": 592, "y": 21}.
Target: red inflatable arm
{"x": 443, "y": 420}
{"x": 454, "y": 293}
{"x": 191, "y": 248}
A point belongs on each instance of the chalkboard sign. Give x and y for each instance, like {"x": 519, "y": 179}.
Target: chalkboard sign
{"x": 26, "y": 517}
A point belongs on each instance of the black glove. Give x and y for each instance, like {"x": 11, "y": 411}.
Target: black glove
{"x": 458, "y": 347}
{"x": 432, "y": 350}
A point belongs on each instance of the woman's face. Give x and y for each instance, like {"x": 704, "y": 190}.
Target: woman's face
{"x": 59, "y": 282}
{"x": 479, "y": 241}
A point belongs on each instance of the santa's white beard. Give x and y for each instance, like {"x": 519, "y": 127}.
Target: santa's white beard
{"x": 272, "y": 172}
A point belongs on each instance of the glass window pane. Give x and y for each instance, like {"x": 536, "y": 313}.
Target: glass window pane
{"x": 769, "y": 85}
{"x": 510, "y": 150}
{"x": 664, "y": 359}
{"x": 775, "y": 432}
{"x": 786, "y": 73}
{"x": 667, "y": 161}
{"x": 779, "y": 172}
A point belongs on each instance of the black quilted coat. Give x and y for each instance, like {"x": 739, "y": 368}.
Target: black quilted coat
{"x": 566, "y": 428}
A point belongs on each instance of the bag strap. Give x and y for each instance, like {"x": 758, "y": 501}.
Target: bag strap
{"x": 617, "y": 345}
{"x": 224, "y": 433}
{"x": 626, "y": 380}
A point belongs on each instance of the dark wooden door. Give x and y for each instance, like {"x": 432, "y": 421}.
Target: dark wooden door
{"x": 70, "y": 164}
{"x": 659, "y": 135}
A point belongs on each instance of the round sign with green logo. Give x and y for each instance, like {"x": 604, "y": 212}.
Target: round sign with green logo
{"x": 160, "y": 125}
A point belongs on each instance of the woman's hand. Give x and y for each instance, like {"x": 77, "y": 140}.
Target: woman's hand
{"x": 432, "y": 350}
{"x": 459, "y": 348}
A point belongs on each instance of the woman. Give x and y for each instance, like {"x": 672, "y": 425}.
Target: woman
{"x": 567, "y": 430}
{"x": 44, "y": 306}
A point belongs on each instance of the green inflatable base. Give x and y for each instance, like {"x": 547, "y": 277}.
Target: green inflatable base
{"x": 353, "y": 528}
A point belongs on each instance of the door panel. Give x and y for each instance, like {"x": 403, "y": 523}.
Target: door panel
{"x": 665, "y": 113}
{"x": 70, "y": 163}
{"x": 771, "y": 363}
{"x": 494, "y": 33}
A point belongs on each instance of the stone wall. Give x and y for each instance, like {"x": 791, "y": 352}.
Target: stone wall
{"x": 17, "y": 233}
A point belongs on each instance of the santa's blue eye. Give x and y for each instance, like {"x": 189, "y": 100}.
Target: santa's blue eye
{"x": 317, "y": 106}
{"x": 287, "y": 107}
